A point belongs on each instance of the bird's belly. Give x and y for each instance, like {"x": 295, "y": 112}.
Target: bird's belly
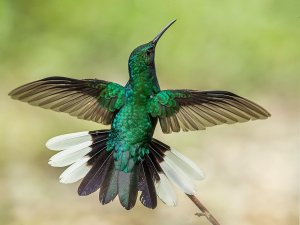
{"x": 131, "y": 133}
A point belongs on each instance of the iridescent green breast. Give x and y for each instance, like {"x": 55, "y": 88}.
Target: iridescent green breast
{"x": 131, "y": 133}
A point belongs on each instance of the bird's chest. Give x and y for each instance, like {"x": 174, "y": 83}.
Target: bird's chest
{"x": 132, "y": 123}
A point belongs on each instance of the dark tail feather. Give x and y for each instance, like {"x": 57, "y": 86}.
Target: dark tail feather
{"x": 100, "y": 160}
{"x": 128, "y": 187}
{"x": 109, "y": 188}
{"x": 146, "y": 184}
{"x": 95, "y": 177}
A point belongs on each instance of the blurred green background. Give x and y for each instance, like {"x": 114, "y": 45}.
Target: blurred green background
{"x": 251, "y": 48}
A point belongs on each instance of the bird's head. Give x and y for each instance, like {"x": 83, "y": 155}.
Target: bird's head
{"x": 142, "y": 58}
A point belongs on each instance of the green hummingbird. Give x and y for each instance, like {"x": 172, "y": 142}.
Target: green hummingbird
{"x": 126, "y": 159}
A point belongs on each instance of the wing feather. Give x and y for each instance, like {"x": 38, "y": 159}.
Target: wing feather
{"x": 88, "y": 99}
{"x": 195, "y": 110}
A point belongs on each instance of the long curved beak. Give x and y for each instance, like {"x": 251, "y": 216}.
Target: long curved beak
{"x": 155, "y": 40}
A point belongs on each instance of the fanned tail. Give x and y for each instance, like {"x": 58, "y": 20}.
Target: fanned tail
{"x": 86, "y": 155}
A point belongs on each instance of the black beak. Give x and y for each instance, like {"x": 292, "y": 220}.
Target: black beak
{"x": 155, "y": 40}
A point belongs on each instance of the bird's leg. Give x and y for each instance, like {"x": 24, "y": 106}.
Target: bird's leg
{"x": 204, "y": 210}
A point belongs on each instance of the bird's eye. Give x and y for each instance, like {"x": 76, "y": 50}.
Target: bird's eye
{"x": 148, "y": 52}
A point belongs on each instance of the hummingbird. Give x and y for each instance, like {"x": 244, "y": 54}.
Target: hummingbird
{"x": 127, "y": 160}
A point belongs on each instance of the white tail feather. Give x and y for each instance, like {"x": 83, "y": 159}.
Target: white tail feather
{"x": 75, "y": 172}
{"x": 185, "y": 164}
{"x": 70, "y": 155}
{"x": 165, "y": 191}
{"x": 68, "y": 140}
{"x": 174, "y": 173}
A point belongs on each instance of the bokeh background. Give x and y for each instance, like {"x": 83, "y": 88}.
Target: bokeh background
{"x": 251, "y": 48}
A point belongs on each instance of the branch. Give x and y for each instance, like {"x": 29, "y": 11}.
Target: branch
{"x": 204, "y": 210}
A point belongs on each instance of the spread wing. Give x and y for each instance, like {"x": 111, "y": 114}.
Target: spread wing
{"x": 195, "y": 110}
{"x": 88, "y": 99}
